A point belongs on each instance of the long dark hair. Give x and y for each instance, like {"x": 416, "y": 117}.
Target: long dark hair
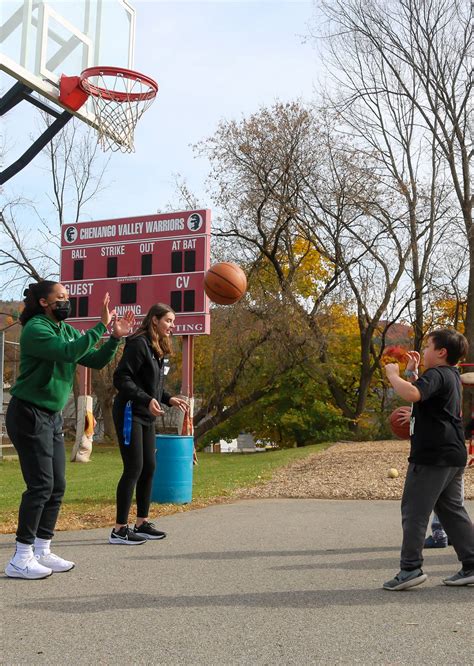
{"x": 32, "y": 295}
{"x": 161, "y": 346}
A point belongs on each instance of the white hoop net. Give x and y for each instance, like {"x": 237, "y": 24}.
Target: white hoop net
{"x": 116, "y": 120}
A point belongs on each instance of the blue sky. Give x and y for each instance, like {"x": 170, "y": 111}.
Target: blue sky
{"x": 212, "y": 60}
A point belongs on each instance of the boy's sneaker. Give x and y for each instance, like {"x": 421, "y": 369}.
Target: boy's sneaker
{"x": 125, "y": 537}
{"x": 462, "y": 577}
{"x": 30, "y": 569}
{"x": 55, "y": 563}
{"x": 432, "y": 542}
{"x": 148, "y": 531}
{"x": 405, "y": 579}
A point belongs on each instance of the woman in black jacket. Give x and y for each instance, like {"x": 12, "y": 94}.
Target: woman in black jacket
{"x": 139, "y": 379}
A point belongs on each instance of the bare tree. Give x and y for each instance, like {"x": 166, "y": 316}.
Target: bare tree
{"x": 416, "y": 56}
{"x": 29, "y": 251}
{"x": 77, "y": 172}
{"x": 288, "y": 188}
{"x": 351, "y": 219}
{"x": 20, "y": 257}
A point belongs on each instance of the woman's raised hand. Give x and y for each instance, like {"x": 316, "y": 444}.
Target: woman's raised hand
{"x": 124, "y": 326}
{"x": 106, "y": 316}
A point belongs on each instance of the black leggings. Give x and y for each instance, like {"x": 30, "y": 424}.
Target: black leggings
{"x": 138, "y": 468}
{"x": 37, "y": 435}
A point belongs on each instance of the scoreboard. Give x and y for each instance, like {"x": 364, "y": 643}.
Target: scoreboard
{"x": 139, "y": 261}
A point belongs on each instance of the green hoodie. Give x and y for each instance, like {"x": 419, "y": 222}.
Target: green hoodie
{"x": 49, "y": 353}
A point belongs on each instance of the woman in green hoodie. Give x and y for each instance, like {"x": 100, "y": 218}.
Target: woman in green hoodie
{"x": 50, "y": 349}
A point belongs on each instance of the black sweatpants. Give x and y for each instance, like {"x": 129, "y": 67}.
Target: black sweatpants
{"x": 429, "y": 488}
{"x": 37, "y": 435}
{"x": 138, "y": 468}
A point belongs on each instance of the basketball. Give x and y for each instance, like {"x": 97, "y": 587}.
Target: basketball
{"x": 225, "y": 283}
{"x": 401, "y": 430}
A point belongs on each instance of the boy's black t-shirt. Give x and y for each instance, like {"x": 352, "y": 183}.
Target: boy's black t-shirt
{"x": 437, "y": 430}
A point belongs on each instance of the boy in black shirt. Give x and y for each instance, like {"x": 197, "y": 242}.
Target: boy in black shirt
{"x": 437, "y": 458}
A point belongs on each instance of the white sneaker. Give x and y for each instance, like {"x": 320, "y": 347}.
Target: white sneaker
{"x": 55, "y": 563}
{"x": 30, "y": 568}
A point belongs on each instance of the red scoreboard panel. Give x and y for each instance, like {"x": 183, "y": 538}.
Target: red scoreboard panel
{"x": 139, "y": 261}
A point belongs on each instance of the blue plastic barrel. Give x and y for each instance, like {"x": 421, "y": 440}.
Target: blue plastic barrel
{"x": 173, "y": 479}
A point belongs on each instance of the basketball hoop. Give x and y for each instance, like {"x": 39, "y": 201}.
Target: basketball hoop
{"x": 119, "y": 96}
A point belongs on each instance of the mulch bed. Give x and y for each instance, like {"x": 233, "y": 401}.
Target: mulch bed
{"x": 346, "y": 470}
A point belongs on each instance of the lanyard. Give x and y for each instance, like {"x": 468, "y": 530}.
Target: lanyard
{"x": 127, "y": 423}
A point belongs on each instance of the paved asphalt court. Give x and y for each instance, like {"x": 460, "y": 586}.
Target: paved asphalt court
{"x": 255, "y": 582}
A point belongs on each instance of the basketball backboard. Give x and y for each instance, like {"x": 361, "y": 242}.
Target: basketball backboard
{"x": 42, "y": 39}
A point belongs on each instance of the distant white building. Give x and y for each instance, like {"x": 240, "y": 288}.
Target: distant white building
{"x": 245, "y": 443}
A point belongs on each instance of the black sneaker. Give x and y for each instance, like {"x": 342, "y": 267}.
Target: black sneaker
{"x": 433, "y": 542}
{"x": 125, "y": 537}
{"x": 148, "y": 531}
{"x": 462, "y": 577}
{"x": 405, "y": 579}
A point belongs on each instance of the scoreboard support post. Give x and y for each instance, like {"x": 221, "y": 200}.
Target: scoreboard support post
{"x": 187, "y": 381}
{"x": 188, "y": 366}
{"x": 84, "y": 419}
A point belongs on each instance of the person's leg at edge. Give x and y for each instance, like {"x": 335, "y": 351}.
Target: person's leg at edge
{"x": 438, "y": 537}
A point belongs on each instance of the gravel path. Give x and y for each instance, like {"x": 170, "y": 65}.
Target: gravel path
{"x": 346, "y": 470}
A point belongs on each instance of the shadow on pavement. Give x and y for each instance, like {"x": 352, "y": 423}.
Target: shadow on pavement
{"x": 378, "y": 563}
{"x": 250, "y": 554}
{"x": 286, "y": 599}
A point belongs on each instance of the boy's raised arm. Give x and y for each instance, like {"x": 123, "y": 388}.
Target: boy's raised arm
{"x": 403, "y": 388}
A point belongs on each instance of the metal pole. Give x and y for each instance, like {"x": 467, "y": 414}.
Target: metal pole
{"x": 187, "y": 382}
{"x": 36, "y": 147}
{"x": 188, "y": 366}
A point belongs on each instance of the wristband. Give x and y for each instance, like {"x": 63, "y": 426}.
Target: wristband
{"x": 411, "y": 373}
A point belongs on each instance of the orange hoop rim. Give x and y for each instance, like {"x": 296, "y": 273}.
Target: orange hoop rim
{"x": 116, "y": 95}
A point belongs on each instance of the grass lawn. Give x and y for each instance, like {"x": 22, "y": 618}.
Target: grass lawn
{"x": 90, "y": 493}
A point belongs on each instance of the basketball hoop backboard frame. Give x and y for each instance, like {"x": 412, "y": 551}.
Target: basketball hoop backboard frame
{"x": 42, "y": 39}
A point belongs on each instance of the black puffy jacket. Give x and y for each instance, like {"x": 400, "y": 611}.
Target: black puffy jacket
{"x": 139, "y": 377}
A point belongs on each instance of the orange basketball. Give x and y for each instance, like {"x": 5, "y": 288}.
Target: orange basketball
{"x": 225, "y": 283}
{"x": 401, "y": 430}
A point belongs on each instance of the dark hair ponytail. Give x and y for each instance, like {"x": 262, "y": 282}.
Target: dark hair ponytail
{"x": 32, "y": 295}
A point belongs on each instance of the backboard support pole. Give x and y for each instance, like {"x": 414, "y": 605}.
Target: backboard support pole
{"x": 20, "y": 92}
{"x": 15, "y": 95}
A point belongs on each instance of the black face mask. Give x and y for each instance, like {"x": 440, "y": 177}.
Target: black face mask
{"x": 62, "y": 310}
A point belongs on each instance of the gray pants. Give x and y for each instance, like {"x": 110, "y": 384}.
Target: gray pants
{"x": 429, "y": 488}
